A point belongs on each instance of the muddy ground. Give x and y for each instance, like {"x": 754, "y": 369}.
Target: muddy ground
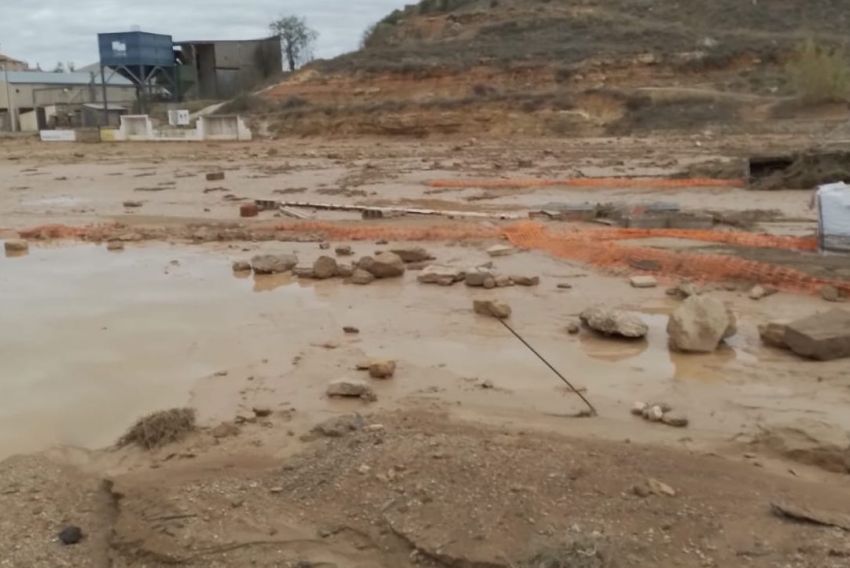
{"x": 470, "y": 456}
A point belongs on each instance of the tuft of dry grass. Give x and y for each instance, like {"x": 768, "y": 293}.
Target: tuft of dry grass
{"x": 820, "y": 74}
{"x": 160, "y": 428}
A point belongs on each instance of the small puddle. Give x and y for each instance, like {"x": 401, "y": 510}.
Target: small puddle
{"x": 93, "y": 339}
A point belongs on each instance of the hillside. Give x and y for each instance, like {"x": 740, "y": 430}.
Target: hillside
{"x": 562, "y": 67}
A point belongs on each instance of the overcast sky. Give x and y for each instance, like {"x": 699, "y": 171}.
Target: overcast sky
{"x": 47, "y": 31}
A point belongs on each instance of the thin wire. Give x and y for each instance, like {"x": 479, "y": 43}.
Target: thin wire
{"x": 554, "y": 370}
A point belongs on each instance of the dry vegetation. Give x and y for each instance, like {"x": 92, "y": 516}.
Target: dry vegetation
{"x": 820, "y": 73}
{"x": 160, "y": 428}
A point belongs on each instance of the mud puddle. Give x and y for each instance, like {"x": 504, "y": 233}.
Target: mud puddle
{"x": 93, "y": 339}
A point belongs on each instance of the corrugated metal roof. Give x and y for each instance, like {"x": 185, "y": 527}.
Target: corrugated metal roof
{"x": 48, "y": 78}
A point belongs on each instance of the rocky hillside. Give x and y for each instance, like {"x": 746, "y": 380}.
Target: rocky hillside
{"x": 562, "y": 67}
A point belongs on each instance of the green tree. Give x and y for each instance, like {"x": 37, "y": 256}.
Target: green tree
{"x": 296, "y": 39}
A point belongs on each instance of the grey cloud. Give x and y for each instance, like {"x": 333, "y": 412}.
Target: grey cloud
{"x": 47, "y": 31}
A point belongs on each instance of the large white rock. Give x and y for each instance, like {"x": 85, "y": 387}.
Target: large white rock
{"x": 614, "y": 322}
{"x": 273, "y": 263}
{"x": 441, "y": 275}
{"x": 700, "y": 324}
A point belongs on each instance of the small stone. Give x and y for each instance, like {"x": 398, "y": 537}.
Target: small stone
{"x": 225, "y": 430}
{"x": 349, "y": 388}
{"x": 526, "y": 280}
{"x": 639, "y": 408}
{"x": 675, "y": 420}
{"x": 416, "y": 254}
{"x": 361, "y": 277}
{"x": 16, "y": 246}
{"x": 440, "y": 275}
{"x": 344, "y": 251}
{"x": 500, "y": 250}
{"x": 115, "y": 246}
{"x": 215, "y": 176}
{"x": 274, "y": 263}
{"x": 325, "y": 267}
{"x": 492, "y": 308}
{"x": 383, "y": 265}
{"x": 350, "y": 329}
{"x": 614, "y": 322}
{"x": 683, "y": 291}
{"x": 382, "y": 369}
{"x": 773, "y": 334}
{"x": 654, "y": 414}
{"x": 325, "y": 246}
{"x": 643, "y": 282}
{"x": 830, "y": 294}
{"x": 364, "y": 469}
{"x": 489, "y": 283}
{"x": 344, "y": 270}
{"x": 574, "y": 328}
{"x": 487, "y": 384}
{"x": 503, "y": 281}
{"x": 339, "y": 426}
{"x": 303, "y": 271}
{"x": 241, "y": 266}
{"x": 565, "y": 286}
{"x": 759, "y": 292}
{"x": 129, "y": 204}
{"x": 262, "y": 411}
{"x": 249, "y": 210}
{"x": 660, "y": 488}
{"x": 71, "y": 535}
{"x": 476, "y": 277}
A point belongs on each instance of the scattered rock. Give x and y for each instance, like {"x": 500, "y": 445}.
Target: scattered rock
{"x": 340, "y": 426}
{"x": 382, "y": 369}
{"x": 225, "y": 430}
{"x": 824, "y": 336}
{"x": 809, "y": 441}
{"x": 129, "y": 204}
{"x": 16, "y": 246}
{"x": 241, "y": 266}
{"x": 676, "y": 420}
{"x": 303, "y": 271}
{"x": 361, "y": 277}
{"x": 262, "y": 411}
{"x": 383, "y": 265}
{"x": 565, "y": 286}
{"x": 700, "y": 324}
{"x": 758, "y": 292}
{"x": 71, "y": 535}
{"x": 526, "y": 280}
{"x": 503, "y": 281}
{"x": 683, "y": 291}
{"x": 215, "y": 176}
{"x": 273, "y": 263}
{"x": 830, "y": 294}
{"x": 350, "y": 329}
{"x": 500, "y": 250}
{"x": 654, "y": 413}
{"x": 325, "y": 267}
{"x": 661, "y": 413}
{"x": 487, "y": 384}
{"x": 344, "y": 251}
{"x": 643, "y": 282}
{"x": 249, "y": 210}
{"x": 114, "y": 246}
{"x": 344, "y": 270}
{"x": 574, "y": 328}
{"x": 349, "y": 388}
{"x": 477, "y": 277}
{"x": 440, "y": 275}
{"x": 773, "y": 334}
{"x": 660, "y": 488}
{"x": 492, "y": 308}
{"x": 325, "y": 246}
{"x": 614, "y": 322}
{"x": 417, "y": 254}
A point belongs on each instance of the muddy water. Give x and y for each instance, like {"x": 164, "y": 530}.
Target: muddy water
{"x": 92, "y": 339}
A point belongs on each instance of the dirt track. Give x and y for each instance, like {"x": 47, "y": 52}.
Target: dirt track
{"x": 166, "y": 322}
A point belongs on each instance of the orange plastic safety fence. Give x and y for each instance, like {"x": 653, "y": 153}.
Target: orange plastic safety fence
{"x": 755, "y": 240}
{"x": 612, "y": 182}
{"x": 362, "y": 232}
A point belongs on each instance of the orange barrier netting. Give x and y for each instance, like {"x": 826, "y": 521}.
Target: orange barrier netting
{"x": 754, "y": 240}
{"x": 607, "y": 182}
{"x": 361, "y": 232}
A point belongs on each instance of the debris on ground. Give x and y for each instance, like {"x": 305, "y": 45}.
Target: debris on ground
{"x": 71, "y": 534}
{"x": 325, "y": 267}
{"x": 350, "y": 329}
{"x": 700, "y": 324}
{"x": 651, "y": 486}
{"x": 241, "y": 266}
{"x": 617, "y": 323}
{"x": 131, "y": 204}
{"x": 339, "y": 426}
{"x": 416, "y": 254}
{"x": 823, "y": 336}
{"x": 351, "y": 388}
{"x": 16, "y": 246}
{"x": 344, "y": 270}
{"x": 215, "y": 176}
{"x": 480, "y": 277}
{"x": 303, "y": 272}
{"x": 643, "y": 282}
{"x": 249, "y": 210}
{"x": 274, "y": 263}
{"x": 759, "y": 292}
{"x": 525, "y": 280}
{"x": 382, "y": 369}
{"x": 344, "y": 250}
{"x": 324, "y": 246}
{"x": 683, "y": 291}
{"x": 574, "y": 327}
{"x": 441, "y": 275}
{"x": 500, "y": 250}
{"x": 114, "y": 246}
{"x": 809, "y": 515}
{"x": 492, "y": 308}
{"x": 262, "y": 411}
{"x": 565, "y": 286}
{"x": 660, "y": 412}
{"x": 225, "y": 430}
{"x": 361, "y": 277}
{"x": 382, "y": 265}
{"x": 773, "y": 334}
{"x": 831, "y": 294}
{"x": 160, "y": 428}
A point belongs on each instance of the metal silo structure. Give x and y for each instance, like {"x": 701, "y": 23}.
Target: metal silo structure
{"x": 144, "y": 58}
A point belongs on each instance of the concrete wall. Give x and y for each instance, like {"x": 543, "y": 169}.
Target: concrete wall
{"x": 229, "y": 68}
{"x": 141, "y": 128}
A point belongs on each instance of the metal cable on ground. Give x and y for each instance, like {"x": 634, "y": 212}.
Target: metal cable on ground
{"x": 554, "y": 370}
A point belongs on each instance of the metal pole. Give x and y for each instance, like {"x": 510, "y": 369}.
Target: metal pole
{"x": 554, "y": 370}
{"x": 105, "y": 103}
{"x": 8, "y": 97}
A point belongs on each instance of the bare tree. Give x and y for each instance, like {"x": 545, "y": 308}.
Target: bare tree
{"x": 296, "y": 39}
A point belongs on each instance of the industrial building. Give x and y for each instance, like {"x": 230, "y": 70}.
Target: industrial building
{"x": 32, "y": 100}
{"x": 9, "y": 64}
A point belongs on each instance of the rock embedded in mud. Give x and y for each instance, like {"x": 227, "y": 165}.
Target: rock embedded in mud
{"x": 643, "y": 282}
{"x": 325, "y": 246}
{"x": 344, "y": 270}
{"x": 361, "y": 277}
{"x": 830, "y": 294}
{"x": 262, "y": 411}
{"x": 382, "y": 369}
{"x": 500, "y": 250}
{"x": 350, "y": 329}
{"x": 71, "y": 534}
{"x": 526, "y": 280}
{"x": 574, "y": 328}
{"x": 241, "y": 266}
{"x": 675, "y": 419}
{"x": 274, "y": 263}
{"x": 440, "y": 275}
{"x": 383, "y": 265}
{"x": 759, "y": 292}
{"x": 340, "y": 426}
{"x": 303, "y": 271}
{"x": 114, "y": 246}
{"x": 249, "y": 210}
{"x": 503, "y": 281}
{"x": 351, "y": 388}
{"x": 344, "y": 250}
{"x": 225, "y": 430}
{"x": 416, "y": 254}
{"x": 16, "y": 246}
{"x": 773, "y": 334}
{"x": 325, "y": 267}
{"x": 129, "y": 204}
{"x": 617, "y": 323}
{"x": 700, "y": 324}
{"x": 823, "y": 337}
{"x": 476, "y": 277}
{"x": 492, "y": 308}
{"x": 683, "y": 291}
{"x": 215, "y": 176}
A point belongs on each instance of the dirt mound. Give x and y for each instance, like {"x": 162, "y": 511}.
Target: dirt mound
{"x": 160, "y": 428}
{"x": 807, "y": 171}
{"x": 810, "y": 442}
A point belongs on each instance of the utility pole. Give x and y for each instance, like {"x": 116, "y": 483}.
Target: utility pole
{"x": 8, "y": 97}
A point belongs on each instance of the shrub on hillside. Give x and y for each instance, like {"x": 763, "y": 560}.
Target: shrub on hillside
{"x": 819, "y": 73}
